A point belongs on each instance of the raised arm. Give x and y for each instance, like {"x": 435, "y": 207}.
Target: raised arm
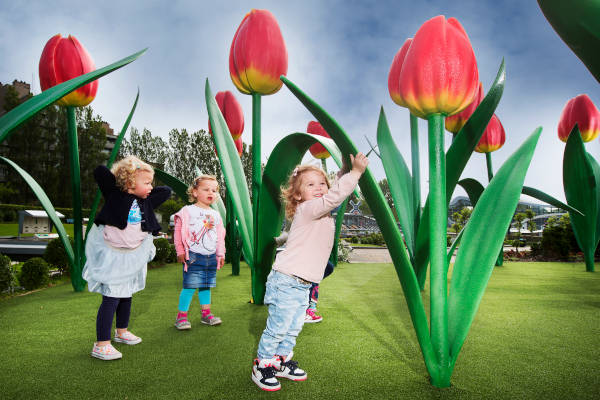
{"x": 106, "y": 180}
{"x": 159, "y": 195}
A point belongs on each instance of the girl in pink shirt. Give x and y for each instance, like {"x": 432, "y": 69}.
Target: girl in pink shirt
{"x": 309, "y": 200}
{"x": 200, "y": 245}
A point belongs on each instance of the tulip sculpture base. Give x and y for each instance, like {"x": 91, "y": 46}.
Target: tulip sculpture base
{"x": 452, "y": 309}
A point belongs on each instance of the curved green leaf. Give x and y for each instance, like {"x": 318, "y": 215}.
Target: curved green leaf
{"x": 339, "y": 219}
{"x": 286, "y": 155}
{"x": 235, "y": 180}
{"x": 576, "y": 22}
{"x": 48, "y": 207}
{"x": 482, "y": 241}
{"x": 453, "y": 247}
{"x": 473, "y": 189}
{"x": 18, "y": 115}
{"x": 456, "y": 159}
{"x": 385, "y": 220}
{"x": 581, "y": 192}
{"x": 111, "y": 160}
{"x": 538, "y": 194}
{"x": 596, "y": 170}
{"x": 399, "y": 180}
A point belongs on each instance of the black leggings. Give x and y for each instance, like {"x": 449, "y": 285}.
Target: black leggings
{"x": 107, "y": 309}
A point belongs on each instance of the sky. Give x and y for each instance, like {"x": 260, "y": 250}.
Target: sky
{"x": 339, "y": 53}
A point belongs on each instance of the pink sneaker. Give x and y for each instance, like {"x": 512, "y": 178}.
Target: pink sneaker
{"x": 311, "y": 316}
{"x": 106, "y": 352}
{"x": 127, "y": 338}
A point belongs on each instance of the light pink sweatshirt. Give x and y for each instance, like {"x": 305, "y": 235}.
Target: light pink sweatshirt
{"x": 182, "y": 234}
{"x": 311, "y": 235}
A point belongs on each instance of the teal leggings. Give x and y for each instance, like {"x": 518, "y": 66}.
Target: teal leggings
{"x": 185, "y": 298}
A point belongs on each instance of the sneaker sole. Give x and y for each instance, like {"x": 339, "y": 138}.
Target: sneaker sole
{"x": 129, "y": 342}
{"x": 208, "y": 323}
{"x": 265, "y": 387}
{"x": 106, "y": 358}
{"x": 293, "y": 378}
{"x": 183, "y": 328}
{"x": 313, "y": 321}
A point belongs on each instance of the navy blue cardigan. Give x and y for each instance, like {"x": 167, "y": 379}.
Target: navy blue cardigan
{"x": 117, "y": 203}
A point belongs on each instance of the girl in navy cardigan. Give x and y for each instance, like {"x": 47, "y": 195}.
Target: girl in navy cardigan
{"x": 120, "y": 245}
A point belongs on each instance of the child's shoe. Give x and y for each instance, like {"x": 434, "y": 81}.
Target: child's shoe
{"x": 210, "y": 320}
{"x": 263, "y": 374}
{"x": 127, "y": 338}
{"x": 182, "y": 323}
{"x": 288, "y": 368}
{"x": 311, "y": 316}
{"x": 106, "y": 352}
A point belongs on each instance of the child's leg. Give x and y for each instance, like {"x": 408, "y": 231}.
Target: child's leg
{"x": 313, "y": 296}
{"x": 123, "y": 313}
{"x": 296, "y": 323}
{"x": 207, "y": 317}
{"x": 104, "y": 319}
{"x": 185, "y": 300}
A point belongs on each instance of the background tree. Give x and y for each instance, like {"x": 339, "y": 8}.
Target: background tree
{"x": 149, "y": 148}
{"x": 519, "y": 218}
{"x": 460, "y": 219}
{"x": 531, "y": 225}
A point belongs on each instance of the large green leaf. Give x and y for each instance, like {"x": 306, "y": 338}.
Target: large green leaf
{"x": 232, "y": 169}
{"x": 596, "y": 169}
{"x": 386, "y": 221}
{"x": 473, "y": 189}
{"x": 456, "y": 159}
{"x": 111, "y": 160}
{"x": 482, "y": 241}
{"x": 18, "y": 115}
{"x": 581, "y": 192}
{"x": 576, "y": 22}
{"x": 399, "y": 180}
{"x": 286, "y": 155}
{"x": 339, "y": 220}
{"x": 48, "y": 207}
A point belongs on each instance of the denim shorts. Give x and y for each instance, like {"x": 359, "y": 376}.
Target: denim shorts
{"x": 202, "y": 271}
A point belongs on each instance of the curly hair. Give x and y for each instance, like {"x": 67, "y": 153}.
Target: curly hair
{"x": 197, "y": 181}
{"x": 125, "y": 170}
{"x": 292, "y": 190}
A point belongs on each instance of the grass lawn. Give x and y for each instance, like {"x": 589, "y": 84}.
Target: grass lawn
{"x": 535, "y": 337}
{"x": 12, "y": 229}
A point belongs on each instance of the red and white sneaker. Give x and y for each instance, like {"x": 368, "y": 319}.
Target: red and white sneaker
{"x": 263, "y": 374}
{"x": 311, "y": 316}
{"x": 289, "y": 369}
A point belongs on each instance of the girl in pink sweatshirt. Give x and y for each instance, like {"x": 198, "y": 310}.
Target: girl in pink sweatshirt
{"x": 200, "y": 245}
{"x": 309, "y": 199}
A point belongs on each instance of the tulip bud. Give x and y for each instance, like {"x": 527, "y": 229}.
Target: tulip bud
{"x": 232, "y": 112}
{"x": 455, "y": 123}
{"x": 394, "y": 74}
{"x": 581, "y": 111}
{"x": 439, "y": 74}
{"x": 258, "y": 56}
{"x": 317, "y": 149}
{"x": 64, "y": 59}
{"x": 493, "y": 138}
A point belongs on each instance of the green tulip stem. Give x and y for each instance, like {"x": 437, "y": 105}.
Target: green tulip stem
{"x": 256, "y": 167}
{"x": 438, "y": 218}
{"x": 490, "y": 171}
{"x": 324, "y": 165}
{"x": 488, "y": 161}
{"x": 76, "y": 279}
{"x": 416, "y": 174}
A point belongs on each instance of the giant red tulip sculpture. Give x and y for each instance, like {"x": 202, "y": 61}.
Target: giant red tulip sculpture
{"x": 579, "y": 123}
{"x": 318, "y": 150}
{"x": 438, "y": 77}
{"x": 69, "y": 78}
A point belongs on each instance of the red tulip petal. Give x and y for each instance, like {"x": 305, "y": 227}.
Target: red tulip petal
{"x": 493, "y": 138}
{"x": 455, "y": 123}
{"x": 394, "y": 74}
{"x": 579, "y": 110}
{"x": 317, "y": 149}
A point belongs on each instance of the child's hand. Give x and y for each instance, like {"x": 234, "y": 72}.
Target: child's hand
{"x": 181, "y": 258}
{"x": 220, "y": 262}
{"x": 359, "y": 163}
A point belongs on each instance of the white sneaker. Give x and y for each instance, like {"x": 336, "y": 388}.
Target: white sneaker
{"x": 127, "y": 338}
{"x": 263, "y": 374}
{"x": 106, "y": 352}
{"x": 288, "y": 368}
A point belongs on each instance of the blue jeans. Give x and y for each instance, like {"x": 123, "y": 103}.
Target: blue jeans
{"x": 287, "y": 298}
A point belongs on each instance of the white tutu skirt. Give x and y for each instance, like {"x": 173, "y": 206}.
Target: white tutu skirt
{"x": 116, "y": 272}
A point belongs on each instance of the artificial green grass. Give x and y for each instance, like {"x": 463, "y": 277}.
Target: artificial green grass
{"x": 12, "y": 229}
{"x": 535, "y": 336}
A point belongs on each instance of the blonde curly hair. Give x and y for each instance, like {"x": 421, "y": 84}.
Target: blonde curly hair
{"x": 197, "y": 181}
{"x": 289, "y": 194}
{"x": 125, "y": 170}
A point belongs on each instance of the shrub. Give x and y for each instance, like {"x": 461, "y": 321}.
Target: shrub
{"x": 172, "y": 254}
{"x": 7, "y": 277}
{"x": 56, "y": 256}
{"x": 162, "y": 250}
{"x": 344, "y": 250}
{"x": 34, "y": 273}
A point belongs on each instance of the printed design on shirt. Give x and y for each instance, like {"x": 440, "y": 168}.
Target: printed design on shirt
{"x": 203, "y": 233}
{"x": 135, "y": 214}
